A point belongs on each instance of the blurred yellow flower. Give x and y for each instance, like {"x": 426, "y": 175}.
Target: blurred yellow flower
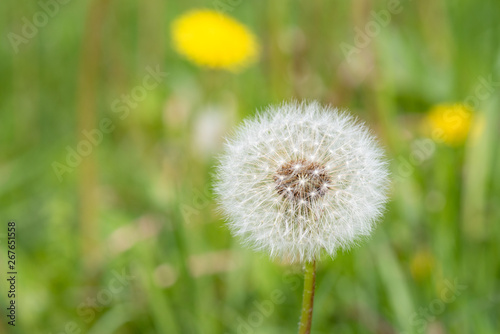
{"x": 212, "y": 39}
{"x": 422, "y": 265}
{"x": 449, "y": 123}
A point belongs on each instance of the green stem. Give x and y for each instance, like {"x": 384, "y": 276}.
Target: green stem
{"x": 308, "y": 297}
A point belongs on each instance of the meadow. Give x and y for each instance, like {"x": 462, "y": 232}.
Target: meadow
{"x": 109, "y": 140}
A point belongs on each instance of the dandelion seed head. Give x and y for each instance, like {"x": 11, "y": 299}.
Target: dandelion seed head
{"x": 301, "y": 180}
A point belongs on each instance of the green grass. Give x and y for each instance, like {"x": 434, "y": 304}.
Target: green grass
{"x": 141, "y": 201}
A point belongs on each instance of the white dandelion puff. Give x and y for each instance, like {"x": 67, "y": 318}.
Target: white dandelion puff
{"x": 300, "y": 180}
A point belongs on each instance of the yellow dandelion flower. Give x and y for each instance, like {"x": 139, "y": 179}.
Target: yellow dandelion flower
{"x": 449, "y": 123}
{"x": 422, "y": 265}
{"x": 212, "y": 39}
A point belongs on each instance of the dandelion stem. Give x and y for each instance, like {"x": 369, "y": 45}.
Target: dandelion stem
{"x": 308, "y": 297}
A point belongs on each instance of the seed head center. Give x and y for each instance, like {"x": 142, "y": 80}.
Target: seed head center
{"x": 302, "y": 180}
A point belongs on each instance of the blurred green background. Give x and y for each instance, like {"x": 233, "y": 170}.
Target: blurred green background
{"x": 139, "y": 205}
